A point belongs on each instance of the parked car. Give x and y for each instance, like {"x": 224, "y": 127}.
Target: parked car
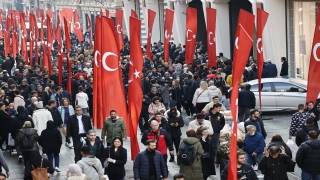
{"x": 279, "y": 94}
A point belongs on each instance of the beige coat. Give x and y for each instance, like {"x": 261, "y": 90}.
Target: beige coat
{"x": 194, "y": 171}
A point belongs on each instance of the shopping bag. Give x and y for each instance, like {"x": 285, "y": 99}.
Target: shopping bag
{"x": 64, "y": 131}
{"x": 10, "y": 140}
{"x": 291, "y": 145}
{"x": 105, "y": 177}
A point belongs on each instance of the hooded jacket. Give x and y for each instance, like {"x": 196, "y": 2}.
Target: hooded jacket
{"x": 29, "y": 132}
{"x": 308, "y": 156}
{"x": 174, "y": 130}
{"x": 303, "y": 132}
{"x": 91, "y": 166}
{"x": 50, "y": 139}
{"x": 40, "y": 118}
{"x": 17, "y": 123}
{"x": 214, "y": 91}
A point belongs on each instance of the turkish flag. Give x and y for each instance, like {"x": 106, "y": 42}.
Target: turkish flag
{"x": 134, "y": 14}
{"x": 67, "y": 13}
{"x": 49, "y": 42}
{"x": 36, "y": 41}
{"x": 13, "y": 36}
{"x": 45, "y": 60}
{"x": 243, "y": 44}
{"x": 1, "y": 24}
{"x": 151, "y": 17}
{"x": 191, "y": 33}
{"x": 49, "y": 13}
{"x": 101, "y": 13}
{"x": 167, "y": 32}
{"x": 32, "y": 20}
{"x": 314, "y": 73}
{"x": 111, "y": 98}
{"x": 134, "y": 89}
{"x": 107, "y": 13}
{"x": 23, "y": 38}
{"x": 119, "y": 18}
{"x": 262, "y": 18}
{"x": 60, "y": 51}
{"x": 77, "y": 29}
{"x": 68, "y": 48}
{"x": 211, "y": 35}
{"x": 97, "y": 92}
{"x": 89, "y": 28}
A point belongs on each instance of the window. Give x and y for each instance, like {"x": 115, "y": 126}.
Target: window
{"x": 286, "y": 87}
{"x": 266, "y": 87}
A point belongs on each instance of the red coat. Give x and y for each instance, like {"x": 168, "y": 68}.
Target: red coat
{"x": 78, "y": 74}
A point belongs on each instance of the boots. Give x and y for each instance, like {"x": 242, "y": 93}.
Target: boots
{"x": 171, "y": 158}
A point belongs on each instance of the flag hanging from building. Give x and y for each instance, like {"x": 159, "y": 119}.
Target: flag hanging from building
{"x": 151, "y": 17}
{"x": 119, "y": 19}
{"x": 191, "y": 33}
{"x": 134, "y": 14}
{"x": 167, "y": 32}
{"x": 211, "y": 37}
{"x": 77, "y": 28}
{"x": 68, "y": 48}
{"x": 24, "y": 36}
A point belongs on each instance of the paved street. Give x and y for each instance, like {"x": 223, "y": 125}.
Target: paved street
{"x": 279, "y": 124}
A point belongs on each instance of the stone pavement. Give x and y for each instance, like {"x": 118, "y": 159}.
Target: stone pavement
{"x": 278, "y": 125}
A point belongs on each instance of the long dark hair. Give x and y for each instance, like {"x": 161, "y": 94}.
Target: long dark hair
{"x": 120, "y": 147}
{"x": 275, "y": 138}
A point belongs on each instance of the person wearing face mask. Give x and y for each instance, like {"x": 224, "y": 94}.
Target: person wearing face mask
{"x": 149, "y": 164}
{"x": 113, "y": 127}
{"x": 200, "y": 121}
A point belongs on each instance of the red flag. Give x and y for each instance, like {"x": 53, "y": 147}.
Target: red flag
{"x": 23, "y": 38}
{"x": 32, "y": 34}
{"x": 68, "y": 47}
{"x": 111, "y": 86}
{"x": 67, "y": 13}
{"x": 167, "y": 32}
{"x": 151, "y": 17}
{"x": 97, "y": 93}
{"x": 13, "y": 36}
{"x": 45, "y": 60}
{"x": 191, "y": 33}
{"x": 49, "y": 13}
{"x": 36, "y": 41}
{"x": 60, "y": 58}
{"x": 119, "y": 18}
{"x": 262, "y": 18}
{"x": 134, "y": 14}
{"x": 107, "y": 13}
{"x": 6, "y": 42}
{"x": 89, "y": 28}
{"x": 243, "y": 44}
{"x": 1, "y": 23}
{"x": 101, "y": 13}
{"x": 211, "y": 35}
{"x": 49, "y": 42}
{"x": 134, "y": 89}
{"x": 314, "y": 73}
{"x": 77, "y": 29}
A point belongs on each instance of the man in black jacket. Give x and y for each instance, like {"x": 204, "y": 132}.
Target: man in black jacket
{"x": 78, "y": 125}
{"x": 308, "y": 157}
{"x": 56, "y": 116}
{"x": 302, "y": 134}
{"x": 247, "y": 101}
{"x": 89, "y": 92}
{"x": 144, "y": 115}
{"x": 314, "y": 112}
{"x": 284, "y": 68}
{"x": 217, "y": 121}
{"x": 93, "y": 142}
{"x": 256, "y": 121}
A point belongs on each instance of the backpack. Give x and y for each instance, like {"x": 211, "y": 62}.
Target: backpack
{"x": 26, "y": 141}
{"x": 186, "y": 154}
{"x": 39, "y": 173}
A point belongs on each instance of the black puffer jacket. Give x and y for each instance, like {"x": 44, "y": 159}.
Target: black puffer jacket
{"x": 175, "y": 130}
{"x": 302, "y": 133}
{"x": 308, "y": 156}
{"x": 18, "y": 122}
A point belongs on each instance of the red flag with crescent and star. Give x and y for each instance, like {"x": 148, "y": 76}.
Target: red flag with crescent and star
{"x": 49, "y": 42}
{"x": 314, "y": 73}
{"x": 23, "y": 38}
{"x": 68, "y": 48}
{"x": 262, "y": 18}
{"x": 1, "y": 23}
{"x": 191, "y": 33}
{"x": 13, "y": 35}
{"x": 134, "y": 14}
{"x": 211, "y": 35}
{"x": 167, "y": 32}
{"x": 119, "y": 18}
{"x": 77, "y": 28}
{"x": 151, "y": 17}
{"x": 97, "y": 93}
{"x": 110, "y": 58}
{"x": 134, "y": 89}
{"x": 242, "y": 47}
{"x": 45, "y": 60}
{"x": 32, "y": 23}
{"x": 60, "y": 51}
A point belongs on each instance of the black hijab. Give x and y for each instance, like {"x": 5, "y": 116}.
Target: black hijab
{"x": 50, "y": 125}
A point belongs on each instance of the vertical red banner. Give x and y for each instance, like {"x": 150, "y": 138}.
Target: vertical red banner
{"x": 242, "y": 47}
{"x": 49, "y": 42}
{"x": 77, "y": 28}
{"x": 24, "y": 35}
{"x": 314, "y": 73}
{"x": 211, "y": 36}
{"x": 262, "y": 18}
{"x": 1, "y": 24}
{"x": 13, "y": 35}
{"x": 60, "y": 57}
{"x": 167, "y": 32}
{"x": 134, "y": 14}
{"x": 191, "y": 33}
{"x": 32, "y": 34}
{"x": 151, "y": 17}
{"x": 119, "y": 19}
{"x": 107, "y": 13}
{"x": 68, "y": 47}
{"x": 89, "y": 28}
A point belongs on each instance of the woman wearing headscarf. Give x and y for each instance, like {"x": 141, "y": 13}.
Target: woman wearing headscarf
{"x": 4, "y": 124}
{"x": 36, "y": 161}
{"x": 75, "y": 173}
{"x": 208, "y": 156}
{"x": 51, "y": 141}
{"x": 222, "y": 157}
{"x": 116, "y": 155}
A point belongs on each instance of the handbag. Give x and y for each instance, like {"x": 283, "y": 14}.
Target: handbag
{"x": 10, "y": 140}
{"x": 64, "y": 131}
{"x": 40, "y": 172}
{"x": 205, "y": 155}
{"x": 106, "y": 162}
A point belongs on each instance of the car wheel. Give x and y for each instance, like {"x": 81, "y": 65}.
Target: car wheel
{"x": 318, "y": 104}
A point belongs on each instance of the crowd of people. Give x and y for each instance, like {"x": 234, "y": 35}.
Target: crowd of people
{"x": 40, "y": 115}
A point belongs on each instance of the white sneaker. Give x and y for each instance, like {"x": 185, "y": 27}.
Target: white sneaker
{"x": 57, "y": 169}
{"x": 261, "y": 176}
{"x": 188, "y": 117}
{"x": 255, "y": 167}
{"x": 70, "y": 146}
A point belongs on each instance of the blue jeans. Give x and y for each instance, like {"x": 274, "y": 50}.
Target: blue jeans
{"x": 253, "y": 160}
{"x": 285, "y": 77}
{"x": 56, "y": 159}
{"x": 308, "y": 176}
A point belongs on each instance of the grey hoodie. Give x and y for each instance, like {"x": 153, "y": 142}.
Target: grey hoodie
{"x": 91, "y": 166}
